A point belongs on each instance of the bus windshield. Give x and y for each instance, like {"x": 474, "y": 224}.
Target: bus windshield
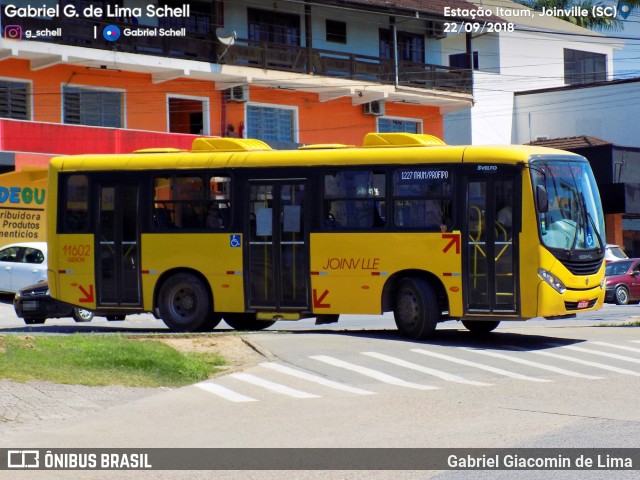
{"x": 571, "y": 218}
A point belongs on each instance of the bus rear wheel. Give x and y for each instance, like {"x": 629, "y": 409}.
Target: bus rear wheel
{"x": 481, "y": 326}
{"x": 416, "y": 309}
{"x": 184, "y": 303}
{"x": 245, "y": 321}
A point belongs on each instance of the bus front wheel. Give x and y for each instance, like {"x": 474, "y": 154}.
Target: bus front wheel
{"x": 481, "y": 326}
{"x": 416, "y": 309}
{"x": 184, "y": 303}
{"x": 245, "y": 321}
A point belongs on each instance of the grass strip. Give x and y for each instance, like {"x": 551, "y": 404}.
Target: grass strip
{"x": 98, "y": 360}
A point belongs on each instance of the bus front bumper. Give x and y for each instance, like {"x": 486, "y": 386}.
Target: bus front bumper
{"x": 552, "y": 303}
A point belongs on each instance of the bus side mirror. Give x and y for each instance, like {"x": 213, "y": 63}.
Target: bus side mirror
{"x": 542, "y": 200}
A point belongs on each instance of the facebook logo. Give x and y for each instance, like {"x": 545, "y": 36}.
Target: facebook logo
{"x": 111, "y": 33}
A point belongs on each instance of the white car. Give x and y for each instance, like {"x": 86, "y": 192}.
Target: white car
{"x": 613, "y": 253}
{"x": 22, "y": 264}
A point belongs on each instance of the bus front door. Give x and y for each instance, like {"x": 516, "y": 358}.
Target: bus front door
{"x": 277, "y": 253}
{"x": 117, "y": 249}
{"x": 490, "y": 245}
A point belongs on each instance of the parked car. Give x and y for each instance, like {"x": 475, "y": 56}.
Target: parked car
{"x": 613, "y": 253}
{"x": 22, "y": 264}
{"x": 623, "y": 281}
{"x": 34, "y": 305}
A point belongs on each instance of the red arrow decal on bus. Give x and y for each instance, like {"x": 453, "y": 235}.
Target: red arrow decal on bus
{"x": 88, "y": 296}
{"x": 317, "y": 302}
{"x": 454, "y": 239}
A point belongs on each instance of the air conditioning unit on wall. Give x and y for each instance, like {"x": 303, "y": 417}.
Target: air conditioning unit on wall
{"x": 374, "y": 108}
{"x": 238, "y": 94}
{"x": 435, "y": 29}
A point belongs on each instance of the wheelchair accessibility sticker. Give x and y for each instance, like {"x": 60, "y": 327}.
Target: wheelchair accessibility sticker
{"x": 234, "y": 241}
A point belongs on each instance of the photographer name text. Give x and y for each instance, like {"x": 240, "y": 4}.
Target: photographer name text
{"x": 93, "y": 11}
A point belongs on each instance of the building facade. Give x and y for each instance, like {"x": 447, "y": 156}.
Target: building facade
{"x": 541, "y": 51}
{"x": 107, "y": 76}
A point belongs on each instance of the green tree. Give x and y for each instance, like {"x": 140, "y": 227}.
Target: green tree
{"x": 597, "y": 22}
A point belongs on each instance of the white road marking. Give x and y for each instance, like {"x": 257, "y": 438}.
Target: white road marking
{"x": 274, "y": 387}
{"x": 620, "y": 347}
{"x": 315, "y": 378}
{"x": 382, "y": 377}
{"x": 224, "y": 392}
{"x": 534, "y": 364}
{"x": 488, "y": 368}
{"x": 596, "y": 352}
{"x": 586, "y": 362}
{"x": 429, "y": 371}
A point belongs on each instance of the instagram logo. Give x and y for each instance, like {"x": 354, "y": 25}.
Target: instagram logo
{"x": 12, "y": 32}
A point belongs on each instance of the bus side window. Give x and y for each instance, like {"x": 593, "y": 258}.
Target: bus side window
{"x": 354, "y": 200}
{"x": 76, "y": 206}
{"x": 218, "y": 215}
{"x": 422, "y": 198}
{"x": 162, "y": 218}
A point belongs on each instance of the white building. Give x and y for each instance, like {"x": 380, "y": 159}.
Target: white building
{"x": 541, "y": 52}
{"x": 604, "y": 110}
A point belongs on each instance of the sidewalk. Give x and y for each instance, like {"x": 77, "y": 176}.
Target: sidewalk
{"x": 22, "y": 404}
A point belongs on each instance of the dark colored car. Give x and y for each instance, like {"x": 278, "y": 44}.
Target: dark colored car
{"x": 34, "y": 304}
{"x": 623, "y": 281}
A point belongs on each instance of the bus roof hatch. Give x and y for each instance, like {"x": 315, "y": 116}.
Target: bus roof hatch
{"x": 225, "y": 144}
{"x": 400, "y": 140}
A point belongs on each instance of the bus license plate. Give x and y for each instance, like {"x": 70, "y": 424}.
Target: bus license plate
{"x": 583, "y": 304}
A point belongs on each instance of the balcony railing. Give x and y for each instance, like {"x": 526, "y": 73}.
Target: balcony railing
{"x": 263, "y": 55}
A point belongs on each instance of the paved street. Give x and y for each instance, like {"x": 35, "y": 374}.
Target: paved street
{"x": 571, "y": 383}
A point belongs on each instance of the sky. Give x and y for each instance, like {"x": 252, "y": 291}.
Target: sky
{"x": 627, "y": 60}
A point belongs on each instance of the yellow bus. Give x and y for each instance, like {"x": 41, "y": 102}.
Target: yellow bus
{"x": 234, "y": 230}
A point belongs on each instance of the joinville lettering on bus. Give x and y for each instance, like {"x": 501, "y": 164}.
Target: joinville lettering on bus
{"x": 24, "y": 195}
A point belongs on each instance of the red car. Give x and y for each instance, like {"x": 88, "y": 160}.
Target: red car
{"x": 623, "y": 281}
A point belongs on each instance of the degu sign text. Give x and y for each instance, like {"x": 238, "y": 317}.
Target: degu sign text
{"x": 24, "y": 195}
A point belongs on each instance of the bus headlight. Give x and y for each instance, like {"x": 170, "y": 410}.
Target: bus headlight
{"x": 552, "y": 280}
{"x": 603, "y": 283}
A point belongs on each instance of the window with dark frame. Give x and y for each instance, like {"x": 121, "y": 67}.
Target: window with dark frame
{"x": 274, "y": 27}
{"x": 584, "y": 67}
{"x": 461, "y": 60}
{"x": 410, "y": 46}
{"x": 336, "y": 31}
{"x": 354, "y": 200}
{"x": 14, "y": 100}
{"x": 270, "y": 124}
{"x": 389, "y": 125}
{"x": 100, "y": 108}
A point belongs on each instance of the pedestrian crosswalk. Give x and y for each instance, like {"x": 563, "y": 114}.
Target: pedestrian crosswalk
{"x": 428, "y": 368}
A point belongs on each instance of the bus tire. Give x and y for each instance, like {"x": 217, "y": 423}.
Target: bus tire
{"x": 211, "y": 322}
{"x": 184, "y": 303}
{"x": 82, "y": 314}
{"x": 621, "y": 295}
{"x": 481, "y": 327}
{"x": 416, "y": 310}
{"x": 245, "y": 321}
